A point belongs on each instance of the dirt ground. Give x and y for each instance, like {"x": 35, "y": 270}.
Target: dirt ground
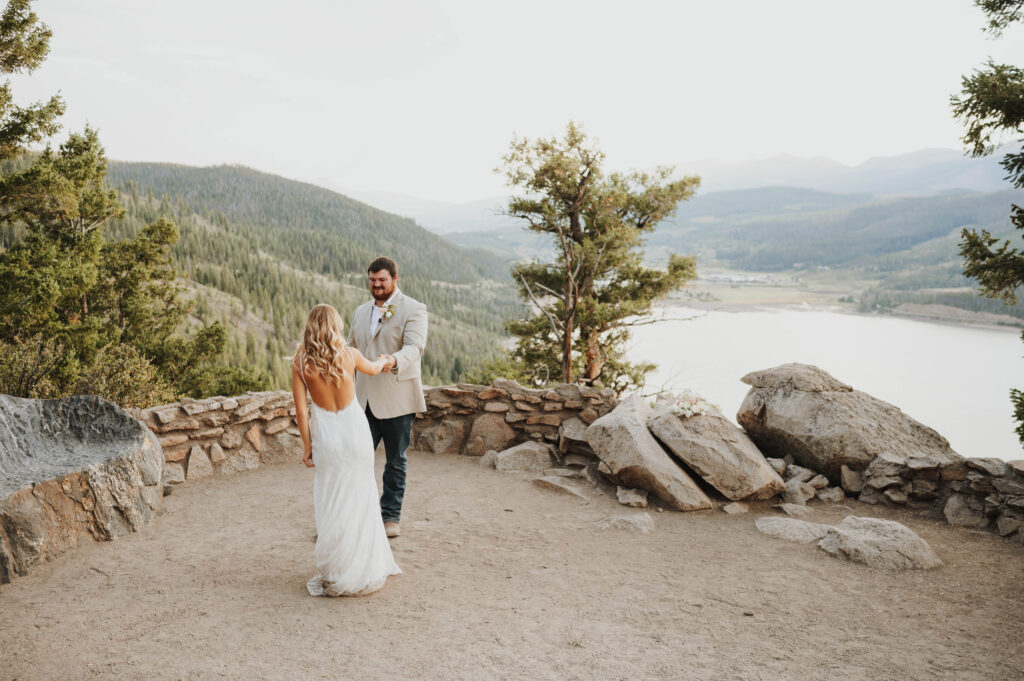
{"x": 504, "y": 580}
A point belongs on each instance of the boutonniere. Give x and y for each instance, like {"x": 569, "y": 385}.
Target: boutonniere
{"x": 389, "y": 310}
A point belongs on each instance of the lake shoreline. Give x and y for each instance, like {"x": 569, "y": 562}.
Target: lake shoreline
{"x": 937, "y": 314}
{"x": 925, "y": 367}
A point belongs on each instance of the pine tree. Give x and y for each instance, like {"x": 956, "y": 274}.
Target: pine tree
{"x": 79, "y": 313}
{"x": 991, "y": 102}
{"x": 584, "y": 302}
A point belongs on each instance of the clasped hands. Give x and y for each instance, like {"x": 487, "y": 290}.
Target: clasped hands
{"x": 389, "y": 362}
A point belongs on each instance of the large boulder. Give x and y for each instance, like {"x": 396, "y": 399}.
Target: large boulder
{"x": 800, "y": 410}
{"x": 444, "y": 437}
{"x": 527, "y": 456}
{"x": 634, "y": 458}
{"x": 71, "y": 467}
{"x": 717, "y": 451}
{"x": 489, "y": 431}
{"x": 965, "y": 511}
{"x": 878, "y": 543}
{"x": 572, "y": 438}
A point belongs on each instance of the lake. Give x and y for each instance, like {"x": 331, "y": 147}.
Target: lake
{"x": 955, "y": 379}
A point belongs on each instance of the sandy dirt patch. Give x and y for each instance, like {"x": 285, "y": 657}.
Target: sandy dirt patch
{"x": 504, "y": 580}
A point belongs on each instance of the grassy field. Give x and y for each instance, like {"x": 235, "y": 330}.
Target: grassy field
{"x": 719, "y": 287}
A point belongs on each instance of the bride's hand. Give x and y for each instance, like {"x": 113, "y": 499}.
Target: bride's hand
{"x": 308, "y": 459}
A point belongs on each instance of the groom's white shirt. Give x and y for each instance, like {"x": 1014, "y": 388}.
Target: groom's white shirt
{"x": 378, "y": 310}
{"x": 403, "y": 335}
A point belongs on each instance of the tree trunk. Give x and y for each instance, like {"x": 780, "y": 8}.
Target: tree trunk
{"x": 567, "y": 349}
{"x": 595, "y": 362}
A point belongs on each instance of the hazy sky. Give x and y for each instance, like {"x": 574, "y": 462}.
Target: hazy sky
{"x": 423, "y": 98}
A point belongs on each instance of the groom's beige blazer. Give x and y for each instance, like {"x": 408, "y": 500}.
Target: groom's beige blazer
{"x": 403, "y": 335}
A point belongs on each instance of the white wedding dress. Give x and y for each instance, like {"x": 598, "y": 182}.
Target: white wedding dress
{"x": 352, "y": 551}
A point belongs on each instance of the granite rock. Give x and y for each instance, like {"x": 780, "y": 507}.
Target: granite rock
{"x": 824, "y": 424}
{"x": 791, "y": 529}
{"x": 527, "y": 456}
{"x": 560, "y": 484}
{"x": 636, "y": 498}
{"x": 633, "y": 522}
{"x": 634, "y": 458}
{"x": 717, "y": 451}
{"x": 878, "y": 543}
{"x": 73, "y": 467}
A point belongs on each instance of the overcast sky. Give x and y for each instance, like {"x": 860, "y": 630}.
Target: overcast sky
{"x": 422, "y": 98}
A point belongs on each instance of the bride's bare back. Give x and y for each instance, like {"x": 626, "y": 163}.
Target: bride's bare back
{"x": 325, "y": 394}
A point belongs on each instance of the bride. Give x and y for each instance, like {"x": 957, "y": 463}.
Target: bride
{"x": 352, "y": 551}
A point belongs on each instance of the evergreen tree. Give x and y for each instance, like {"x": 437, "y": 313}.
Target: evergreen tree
{"x": 585, "y": 301}
{"x": 24, "y": 44}
{"x": 990, "y": 102}
{"x": 79, "y": 313}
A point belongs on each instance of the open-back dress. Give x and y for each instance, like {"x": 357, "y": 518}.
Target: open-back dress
{"x": 352, "y": 551}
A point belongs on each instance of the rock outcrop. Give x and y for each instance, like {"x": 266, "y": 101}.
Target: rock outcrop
{"x": 874, "y": 453}
{"x": 878, "y": 543}
{"x": 73, "y": 467}
{"x": 718, "y": 452}
{"x": 800, "y": 410}
{"x": 635, "y": 459}
{"x": 527, "y": 456}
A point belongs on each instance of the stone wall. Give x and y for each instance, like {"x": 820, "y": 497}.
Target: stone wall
{"x": 976, "y": 493}
{"x": 472, "y": 419}
{"x": 225, "y": 435}
{"x": 222, "y": 436}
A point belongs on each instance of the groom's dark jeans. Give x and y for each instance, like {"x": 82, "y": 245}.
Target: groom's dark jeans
{"x": 396, "y": 433}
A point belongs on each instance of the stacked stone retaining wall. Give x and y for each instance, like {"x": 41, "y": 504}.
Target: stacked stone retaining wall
{"x": 471, "y": 419}
{"x": 975, "y": 493}
{"x": 225, "y": 435}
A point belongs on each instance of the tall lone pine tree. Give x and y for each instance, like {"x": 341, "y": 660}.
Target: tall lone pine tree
{"x": 584, "y": 302}
{"x": 991, "y": 101}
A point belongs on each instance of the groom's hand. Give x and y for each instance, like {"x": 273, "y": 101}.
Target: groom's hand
{"x": 389, "y": 362}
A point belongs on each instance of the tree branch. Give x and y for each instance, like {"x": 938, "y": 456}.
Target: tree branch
{"x": 529, "y": 291}
{"x": 655, "y": 320}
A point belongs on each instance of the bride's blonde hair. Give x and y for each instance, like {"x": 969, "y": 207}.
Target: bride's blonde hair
{"x": 322, "y": 343}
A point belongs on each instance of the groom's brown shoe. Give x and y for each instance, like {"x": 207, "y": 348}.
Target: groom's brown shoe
{"x": 392, "y": 529}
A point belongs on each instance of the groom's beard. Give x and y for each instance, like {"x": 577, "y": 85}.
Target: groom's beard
{"x": 381, "y": 294}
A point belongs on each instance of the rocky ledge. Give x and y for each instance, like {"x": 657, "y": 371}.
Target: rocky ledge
{"x": 71, "y": 467}
{"x": 875, "y": 453}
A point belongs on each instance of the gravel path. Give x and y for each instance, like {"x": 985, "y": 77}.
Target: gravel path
{"x": 504, "y": 580}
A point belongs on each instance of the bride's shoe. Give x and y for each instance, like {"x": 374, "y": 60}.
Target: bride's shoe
{"x": 315, "y": 586}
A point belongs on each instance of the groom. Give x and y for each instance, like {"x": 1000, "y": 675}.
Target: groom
{"x": 395, "y": 325}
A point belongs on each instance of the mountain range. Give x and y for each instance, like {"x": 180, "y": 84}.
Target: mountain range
{"x": 906, "y": 242}
{"x": 925, "y": 172}
{"x": 259, "y": 250}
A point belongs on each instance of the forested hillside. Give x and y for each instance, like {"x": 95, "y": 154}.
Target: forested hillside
{"x": 890, "y": 236}
{"x": 262, "y": 250}
{"x": 905, "y": 243}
